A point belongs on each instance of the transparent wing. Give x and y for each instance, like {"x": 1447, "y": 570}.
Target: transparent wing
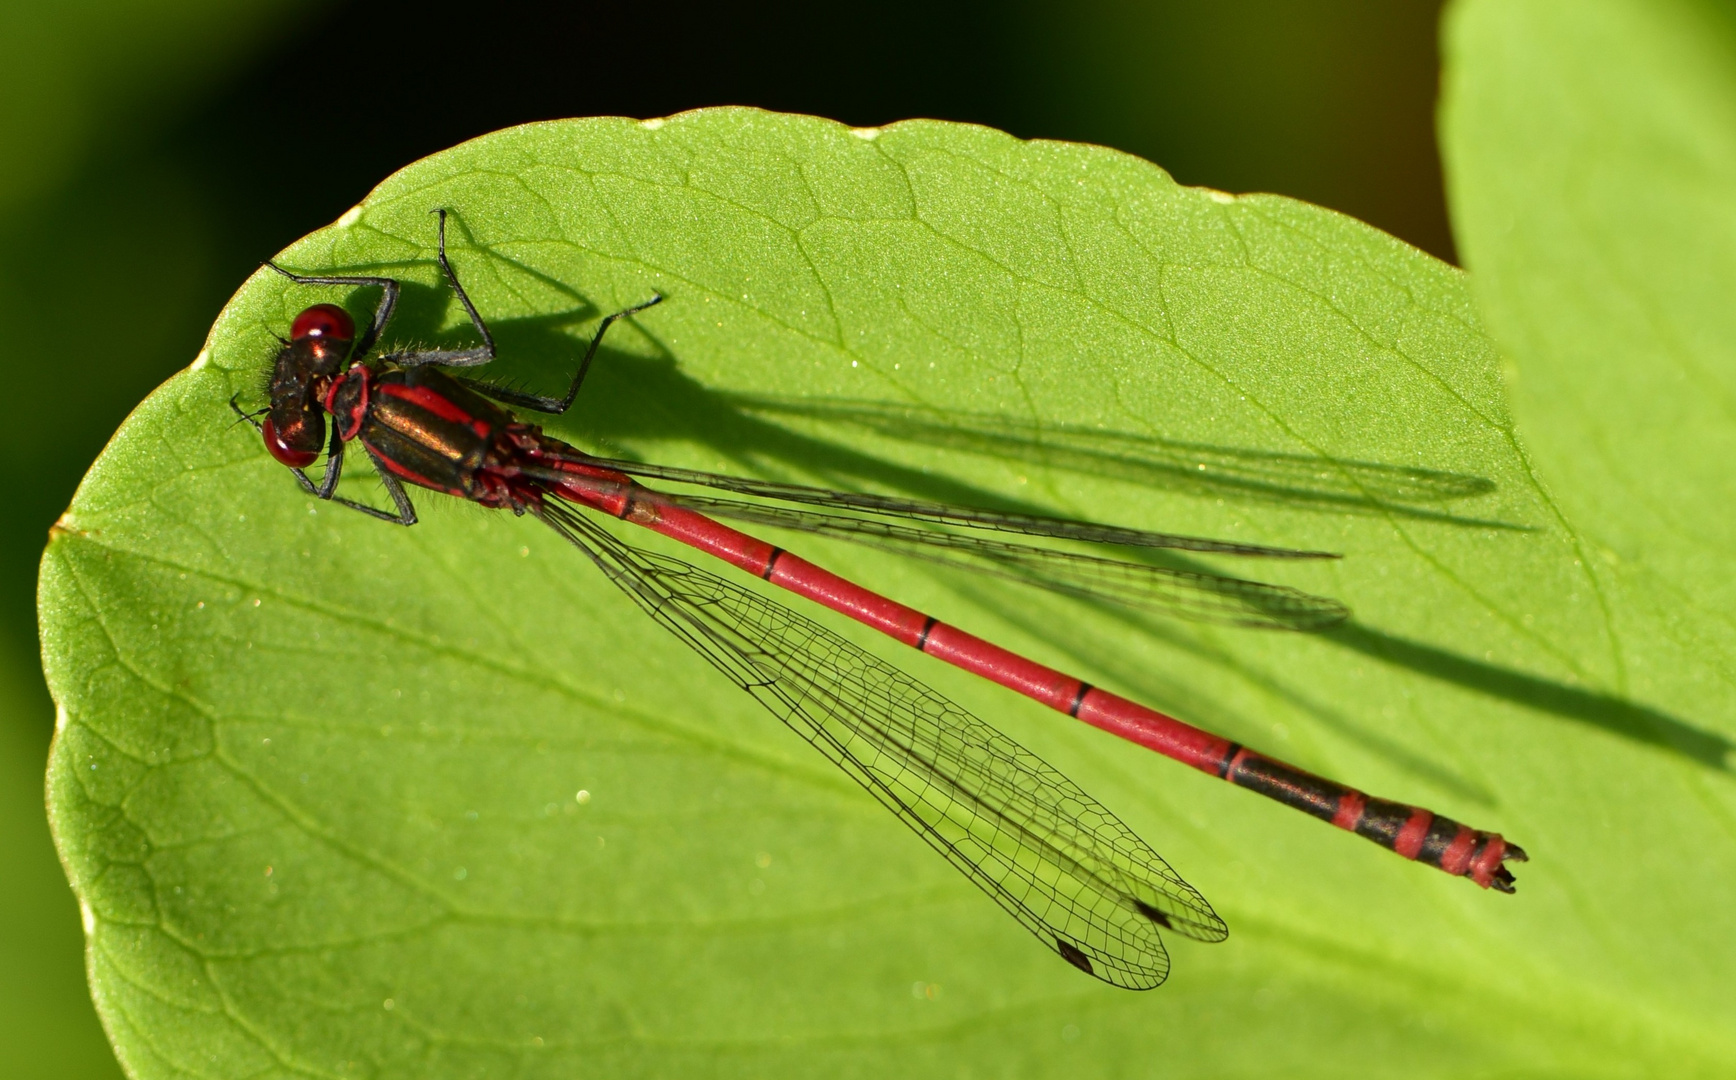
{"x": 1182, "y": 593}
{"x": 941, "y": 513}
{"x": 1048, "y": 853}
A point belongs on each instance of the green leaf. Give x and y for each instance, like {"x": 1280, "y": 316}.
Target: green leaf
{"x": 1592, "y": 164}
{"x": 84, "y": 87}
{"x": 47, "y": 1025}
{"x": 318, "y": 782}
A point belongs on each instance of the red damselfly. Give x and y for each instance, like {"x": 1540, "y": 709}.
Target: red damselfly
{"x": 1046, "y": 851}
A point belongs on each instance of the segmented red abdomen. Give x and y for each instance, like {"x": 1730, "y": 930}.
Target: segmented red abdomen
{"x": 1409, "y": 831}
{"x": 427, "y": 429}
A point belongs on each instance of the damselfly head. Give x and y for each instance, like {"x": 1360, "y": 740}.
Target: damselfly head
{"x": 319, "y": 341}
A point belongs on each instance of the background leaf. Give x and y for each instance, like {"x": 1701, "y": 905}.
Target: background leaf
{"x": 317, "y": 782}
{"x": 1592, "y": 159}
{"x": 84, "y": 87}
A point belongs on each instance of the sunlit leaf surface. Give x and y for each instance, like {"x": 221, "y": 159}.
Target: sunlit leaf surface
{"x": 320, "y": 784}
{"x": 1592, "y": 160}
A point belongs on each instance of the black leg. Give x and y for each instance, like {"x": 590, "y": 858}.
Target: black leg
{"x": 394, "y": 519}
{"x": 382, "y": 312}
{"x": 464, "y": 297}
{"x": 482, "y": 354}
{"x": 559, "y": 405}
{"x": 334, "y": 466}
{"x": 406, "y": 514}
{"x": 406, "y": 510}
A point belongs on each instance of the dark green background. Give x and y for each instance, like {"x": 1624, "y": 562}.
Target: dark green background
{"x": 157, "y": 152}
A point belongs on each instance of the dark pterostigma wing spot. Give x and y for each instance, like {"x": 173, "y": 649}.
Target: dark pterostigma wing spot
{"x": 1070, "y": 953}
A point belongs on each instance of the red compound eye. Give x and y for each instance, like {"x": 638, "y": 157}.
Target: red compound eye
{"x": 289, "y": 455}
{"x": 327, "y": 322}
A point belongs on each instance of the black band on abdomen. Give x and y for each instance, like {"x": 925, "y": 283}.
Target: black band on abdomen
{"x": 1287, "y": 784}
{"x": 772, "y": 562}
{"x": 927, "y": 628}
{"x": 1079, "y": 700}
